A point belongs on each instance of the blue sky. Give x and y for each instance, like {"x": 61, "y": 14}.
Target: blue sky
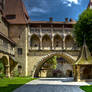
{"x": 41, "y": 10}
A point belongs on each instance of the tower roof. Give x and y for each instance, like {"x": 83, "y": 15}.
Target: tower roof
{"x": 15, "y": 12}
{"x": 85, "y": 56}
{"x": 90, "y": 4}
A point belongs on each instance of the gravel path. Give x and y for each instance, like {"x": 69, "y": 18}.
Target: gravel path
{"x": 52, "y": 85}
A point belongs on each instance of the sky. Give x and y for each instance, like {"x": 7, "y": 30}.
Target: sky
{"x": 42, "y": 10}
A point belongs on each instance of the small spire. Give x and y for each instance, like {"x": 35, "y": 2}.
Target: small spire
{"x": 90, "y": 4}
{"x": 85, "y": 55}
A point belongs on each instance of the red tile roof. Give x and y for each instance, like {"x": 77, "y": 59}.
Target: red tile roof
{"x": 53, "y": 22}
{"x": 16, "y": 8}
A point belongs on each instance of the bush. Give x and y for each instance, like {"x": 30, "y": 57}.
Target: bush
{"x": 16, "y": 73}
{"x": 2, "y": 75}
{"x": 1, "y": 70}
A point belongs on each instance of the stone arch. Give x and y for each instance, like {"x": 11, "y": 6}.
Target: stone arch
{"x": 5, "y": 61}
{"x": 69, "y": 42}
{"x": 58, "y": 42}
{"x": 35, "y": 42}
{"x": 64, "y": 55}
{"x": 46, "y": 42}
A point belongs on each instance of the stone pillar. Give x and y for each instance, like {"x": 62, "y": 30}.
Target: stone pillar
{"x": 74, "y": 72}
{"x": 64, "y": 43}
{"x": 41, "y": 43}
{"x": 78, "y": 73}
{"x": 52, "y": 42}
{"x": 7, "y": 71}
{"x": 40, "y": 38}
{"x": 52, "y": 39}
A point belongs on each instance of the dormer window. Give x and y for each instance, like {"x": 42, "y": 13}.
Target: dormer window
{"x": 10, "y": 16}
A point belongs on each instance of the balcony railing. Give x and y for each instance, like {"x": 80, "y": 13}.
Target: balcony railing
{"x": 6, "y": 50}
{"x": 54, "y": 48}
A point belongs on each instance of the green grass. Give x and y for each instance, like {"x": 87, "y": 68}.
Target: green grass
{"x": 86, "y": 88}
{"x": 9, "y": 84}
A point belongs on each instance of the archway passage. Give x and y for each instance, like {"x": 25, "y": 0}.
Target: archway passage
{"x": 58, "y": 42}
{"x": 69, "y": 42}
{"x": 35, "y": 42}
{"x": 46, "y": 42}
{"x": 8, "y": 65}
{"x": 62, "y": 66}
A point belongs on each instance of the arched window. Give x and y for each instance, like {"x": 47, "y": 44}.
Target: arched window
{"x": 69, "y": 42}
{"x": 35, "y": 42}
{"x": 46, "y": 42}
{"x": 58, "y": 42}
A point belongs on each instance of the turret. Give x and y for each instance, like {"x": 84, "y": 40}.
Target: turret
{"x": 90, "y": 4}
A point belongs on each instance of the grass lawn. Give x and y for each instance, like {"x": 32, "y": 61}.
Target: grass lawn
{"x": 9, "y": 84}
{"x": 86, "y": 88}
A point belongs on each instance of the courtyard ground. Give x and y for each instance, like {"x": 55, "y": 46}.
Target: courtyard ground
{"x": 52, "y": 85}
{"x": 9, "y": 84}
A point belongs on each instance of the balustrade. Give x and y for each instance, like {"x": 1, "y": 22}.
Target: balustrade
{"x": 6, "y": 50}
{"x": 51, "y": 32}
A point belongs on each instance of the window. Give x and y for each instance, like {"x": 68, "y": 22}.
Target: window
{"x": 5, "y": 44}
{"x": 10, "y": 16}
{"x": 19, "y": 51}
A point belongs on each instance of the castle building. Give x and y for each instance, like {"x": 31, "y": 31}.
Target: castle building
{"x": 34, "y": 42}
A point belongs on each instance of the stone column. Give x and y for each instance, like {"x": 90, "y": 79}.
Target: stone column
{"x": 52, "y": 39}
{"x": 40, "y": 37}
{"x": 41, "y": 43}
{"x": 64, "y": 43}
{"x": 78, "y": 73}
{"x": 74, "y": 72}
{"x": 52, "y": 42}
{"x": 7, "y": 71}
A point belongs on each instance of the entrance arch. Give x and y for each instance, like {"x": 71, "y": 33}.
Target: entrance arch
{"x": 4, "y": 60}
{"x": 71, "y": 60}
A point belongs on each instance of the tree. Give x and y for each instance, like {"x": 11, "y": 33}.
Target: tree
{"x": 53, "y": 62}
{"x": 83, "y": 27}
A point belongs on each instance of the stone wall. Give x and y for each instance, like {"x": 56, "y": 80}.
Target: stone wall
{"x": 19, "y": 34}
{"x": 3, "y": 27}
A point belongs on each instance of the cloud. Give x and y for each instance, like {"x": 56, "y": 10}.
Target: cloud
{"x": 73, "y": 1}
{"x": 37, "y": 9}
{"x": 69, "y": 5}
{"x": 69, "y": 2}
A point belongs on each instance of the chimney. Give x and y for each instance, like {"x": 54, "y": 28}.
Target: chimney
{"x": 50, "y": 19}
{"x": 71, "y": 20}
{"x": 66, "y": 19}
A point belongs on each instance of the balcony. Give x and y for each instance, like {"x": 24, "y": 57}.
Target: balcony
{"x": 34, "y": 48}
{"x": 7, "y": 50}
{"x": 58, "y": 48}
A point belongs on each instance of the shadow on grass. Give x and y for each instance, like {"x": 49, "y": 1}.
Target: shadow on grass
{"x": 10, "y": 87}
